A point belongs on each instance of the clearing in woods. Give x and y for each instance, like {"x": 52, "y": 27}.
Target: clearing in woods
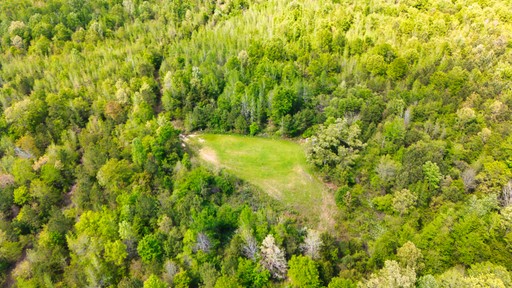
{"x": 278, "y": 167}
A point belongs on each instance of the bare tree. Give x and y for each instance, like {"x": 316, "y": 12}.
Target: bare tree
{"x": 468, "y": 178}
{"x": 506, "y": 194}
{"x": 203, "y": 243}
{"x": 312, "y": 244}
{"x": 170, "y": 269}
{"x": 250, "y": 248}
{"x": 407, "y": 116}
{"x": 6, "y": 180}
{"x": 272, "y": 258}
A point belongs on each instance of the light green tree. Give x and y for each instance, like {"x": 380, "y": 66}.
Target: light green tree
{"x": 391, "y": 276}
{"x": 409, "y": 256}
{"x": 403, "y": 201}
{"x": 432, "y": 174}
{"x": 335, "y": 144}
{"x": 115, "y": 252}
{"x": 303, "y": 272}
{"x": 154, "y": 282}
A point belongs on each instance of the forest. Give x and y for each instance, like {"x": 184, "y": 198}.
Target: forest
{"x": 403, "y": 109}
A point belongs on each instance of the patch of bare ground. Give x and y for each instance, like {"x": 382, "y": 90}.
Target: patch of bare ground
{"x": 209, "y": 155}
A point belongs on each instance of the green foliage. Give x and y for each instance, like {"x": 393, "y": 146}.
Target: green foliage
{"x": 403, "y": 201}
{"x": 493, "y": 176}
{"x": 254, "y": 128}
{"x": 228, "y": 282}
{"x": 384, "y": 203}
{"x": 335, "y": 145}
{"x": 283, "y": 102}
{"x": 150, "y": 248}
{"x": 303, "y": 272}
{"x": 251, "y": 274}
{"x": 432, "y": 174}
{"x": 394, "y": 131}
{"x": 22, "y": 171}
{"x": 115, "y": 252}
{"x": 181, "y": 280}
{"x": 21, "y": 195}
{"x": 115, "y": 175}
{"x": 338, "y": 282}
{"x": 397, "y": 69}
{"x": 154, "y": 282}
{"x": 392, "y": 275}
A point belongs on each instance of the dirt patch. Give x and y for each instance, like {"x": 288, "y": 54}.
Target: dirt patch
{"x": 209, "y": 155}
{"x": 186, "y": 138}
{"x": 328, "y": 212}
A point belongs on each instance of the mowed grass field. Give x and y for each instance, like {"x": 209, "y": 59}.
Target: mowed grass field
{"x": 278, "y": 167}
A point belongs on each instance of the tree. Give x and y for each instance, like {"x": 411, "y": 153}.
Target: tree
{"x": 466, "y": 115}
{"x": 409, "y": 256}
{"x": 468, "y": 178}
{"x": 376, "y": 65}
{"x": 22, "y": 171}
{"x": 250, "y": 248}
{"x": 432, "y": 174}
{"x": 203, "y": 243}
{"x": 303, "y": 272}
{"x": 397, "y": 69}
{"x": 181, "y": 280}
{"x": 335, "y": 144}
{"x": 312, "y": 244}
{"x": 170, "y": 269}
{"x": 392, "y": 276}
{"x": 489, "y": 273}
{"x": 227, "y": 282}
{"x": 154, "y": 282}
{"x": 25, "y": 115}
{"x": 506, "y": 194}
{"x": 21, "y": 195}
{"x": 386, "y": 169}
{"x": 493, "y": 176}
{"x": 427, "y": 281}
{"x": 139, "y": 153}
{"x": 115, "y": 175}
{"x": 115, "y": 252}
{"x": 338, "y": 282}
{"x": 150, "y": 248}
{"x": 403, "y": 200}
{"x": 272, "y": 258}
{"x": 251, "y": 274}
{"x": 394, "y": 131}
{"x": 283, "y": 102}
{"x": 483, "y": 274}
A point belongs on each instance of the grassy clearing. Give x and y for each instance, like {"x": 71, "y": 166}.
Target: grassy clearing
{"x": 278, "y": 167}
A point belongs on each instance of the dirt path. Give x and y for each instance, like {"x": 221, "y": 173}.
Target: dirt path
{"x": 328, "y": 212}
